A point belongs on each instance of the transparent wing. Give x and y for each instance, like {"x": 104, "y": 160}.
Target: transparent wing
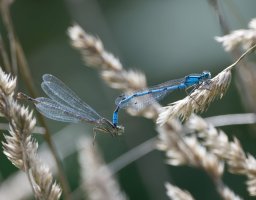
{"x": 151, "y": 95}
{"x": 64, "y": 96}
{"x": 55, "y": 111}
{"x": 59, "y": 112}
{"x": 141, "y": 102}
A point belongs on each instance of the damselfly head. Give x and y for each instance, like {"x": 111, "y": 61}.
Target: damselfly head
{"x": 107, "y": 126}
{"x": 206, "y": 75}
{"x": 23, "y": 96}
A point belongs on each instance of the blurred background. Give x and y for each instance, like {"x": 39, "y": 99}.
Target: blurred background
{"x": 165, "y": 39}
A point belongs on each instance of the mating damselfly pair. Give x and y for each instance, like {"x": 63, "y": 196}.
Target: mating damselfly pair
{"x": 64, "y": 105}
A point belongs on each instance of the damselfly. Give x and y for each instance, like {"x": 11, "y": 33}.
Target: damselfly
{"x": 142, "y": 98}
{"x": 64, "y": 105}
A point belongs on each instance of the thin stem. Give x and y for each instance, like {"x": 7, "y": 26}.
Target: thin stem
{"x": 4, "y": 55}
{"x": 12, "y": 40}
{"x": 232, "y": 119}
{"x": 250, "y": 50}
{"x": 24, "y": 70}
{"x": 132, "y": 155}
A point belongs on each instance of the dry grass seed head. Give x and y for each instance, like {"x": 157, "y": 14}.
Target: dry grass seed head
{"x": 198, "y": 100}
{"x": 43, "y": 181}
{"x": 97, "y": 179}
{"x": 246, "y": 37}
{"x": 251, "y": 174}
{"x": 176, "y": 193}
{"x": 7, "y": 83}
{"x": 236, "y": 158}
{"x": 21, "y": 125}
{"x": 227, "y": 194}
{"x": 125, "y": 80}
{"x": 251, "y": 186}
{"x": 215, "y": 140}
{"x": 218, "y": 143}
{"x": 187, "y": 151}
